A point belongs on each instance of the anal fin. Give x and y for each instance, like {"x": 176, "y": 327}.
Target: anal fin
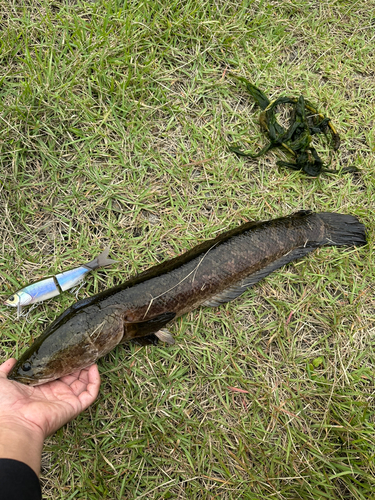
{"x": 239, "y": 288}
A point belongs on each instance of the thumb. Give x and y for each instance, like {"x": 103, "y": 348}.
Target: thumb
{"x": 6, "y": 367}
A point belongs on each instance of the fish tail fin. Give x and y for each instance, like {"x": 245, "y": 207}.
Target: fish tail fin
{"x": 101, "y": 260}
{"x": 343, "y": 230}
{"x": 340, "y": 230}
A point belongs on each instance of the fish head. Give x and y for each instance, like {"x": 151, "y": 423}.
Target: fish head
{"x": 19, "y": 299}
{"x": 56, "y": 353}
{"x": 39, "y": 364}
{"x": 34, "y": 371}
{"x": 42, "y": 363}
{"x": 74, "y": 341}
{"x": 28, "y": 372}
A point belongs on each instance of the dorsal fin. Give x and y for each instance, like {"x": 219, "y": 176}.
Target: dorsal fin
{"x": 239, "y": 288}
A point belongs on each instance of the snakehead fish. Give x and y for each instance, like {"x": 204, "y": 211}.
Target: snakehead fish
{"x": 54, "y": 285}
{"x": 210, "y": 274}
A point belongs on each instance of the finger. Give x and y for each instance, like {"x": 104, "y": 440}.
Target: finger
{"x": 81, "y": 382}
{"x": 72, "y": 377}
{"x": 88, "y": 397}
{"x": 77, "y": 375}
{"x": 6, "y": 367}
{"x": 79, "y": 385}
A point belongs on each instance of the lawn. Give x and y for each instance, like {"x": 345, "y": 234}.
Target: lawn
{"x": 115, "y": 120}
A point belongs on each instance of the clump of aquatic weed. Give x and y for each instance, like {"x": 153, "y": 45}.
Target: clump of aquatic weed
{"x": 305, "y": 122}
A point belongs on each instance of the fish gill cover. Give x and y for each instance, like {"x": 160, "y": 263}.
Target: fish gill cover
{"x": 305, "y": 122}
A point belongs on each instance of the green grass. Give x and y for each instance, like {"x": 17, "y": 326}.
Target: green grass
{"x": 115, "y": 118}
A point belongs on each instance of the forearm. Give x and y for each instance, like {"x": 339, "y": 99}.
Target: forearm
{"x": 20, "y": 443}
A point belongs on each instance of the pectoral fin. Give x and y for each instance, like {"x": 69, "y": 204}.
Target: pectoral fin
{"x": 149, "y": 340}
{"x": 154, "y": 338}
{"x": 141, "y": 329}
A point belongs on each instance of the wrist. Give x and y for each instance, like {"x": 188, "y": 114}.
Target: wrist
{"x": 21, "y": 424}
{"x": 19, "y": 441}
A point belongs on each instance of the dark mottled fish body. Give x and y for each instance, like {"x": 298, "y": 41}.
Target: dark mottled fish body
{"x": 210, "y": 274}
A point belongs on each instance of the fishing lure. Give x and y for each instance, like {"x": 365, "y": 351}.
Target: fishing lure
{"x": 54, "y": 285}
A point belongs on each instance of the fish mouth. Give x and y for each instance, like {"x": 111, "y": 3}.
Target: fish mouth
{"x": 22, "y": 380}
{"x": 27, "y": 380}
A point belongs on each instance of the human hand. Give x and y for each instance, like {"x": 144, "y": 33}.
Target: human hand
{"x": 45, "y": 408}
{"x": 29, "y": 414}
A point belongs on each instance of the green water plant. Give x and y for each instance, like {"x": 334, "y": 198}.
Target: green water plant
{"x": 305, "y": 122}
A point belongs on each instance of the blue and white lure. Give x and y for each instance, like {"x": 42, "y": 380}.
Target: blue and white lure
{"x": 54, "y": 285}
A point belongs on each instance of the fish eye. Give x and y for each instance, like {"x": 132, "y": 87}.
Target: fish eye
{"x": 26, "y": 367}
{"x": 11, "y": 299}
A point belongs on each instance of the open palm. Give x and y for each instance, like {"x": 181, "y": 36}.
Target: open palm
{"x": 47, "y": 407}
